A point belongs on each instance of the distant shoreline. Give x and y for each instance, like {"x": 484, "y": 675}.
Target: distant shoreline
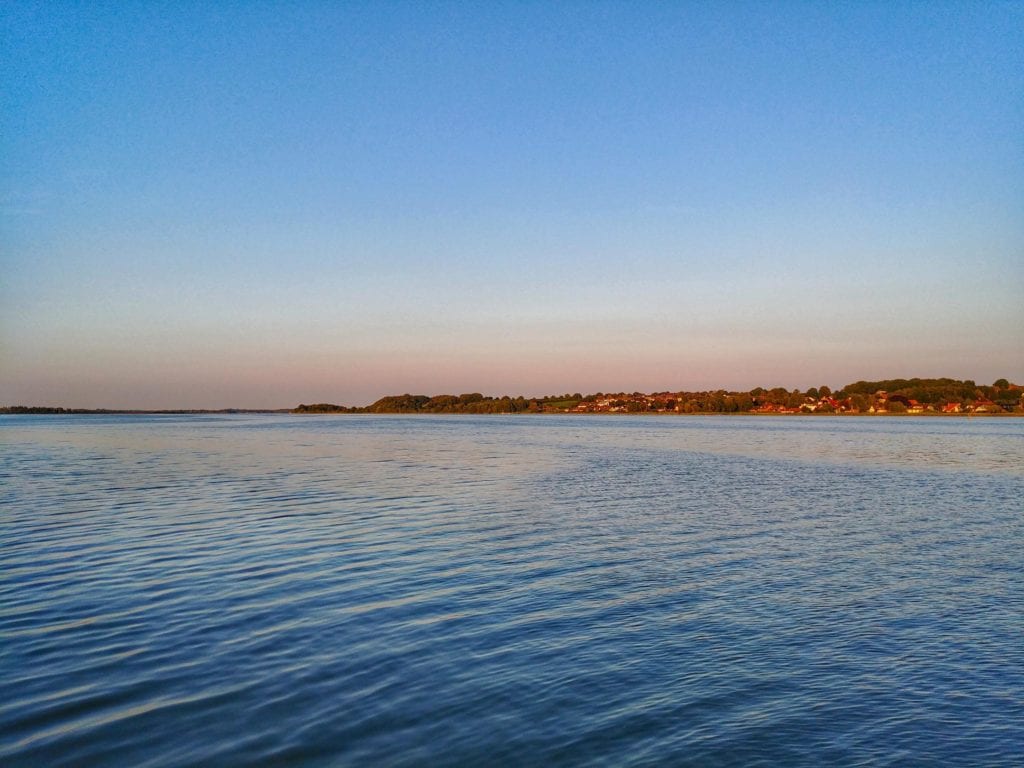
{"x": 887, "y": 397}
{"x": 48, "y": 411}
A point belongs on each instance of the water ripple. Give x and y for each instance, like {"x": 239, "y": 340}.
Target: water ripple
{"x": 460, "y": 591}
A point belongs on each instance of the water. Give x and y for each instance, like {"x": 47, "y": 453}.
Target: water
{"x": 352, "y": 590}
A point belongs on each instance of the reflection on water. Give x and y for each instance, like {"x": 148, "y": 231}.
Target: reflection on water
{"x": 542, "y": 590}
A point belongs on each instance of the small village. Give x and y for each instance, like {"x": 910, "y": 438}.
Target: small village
{"x": 880, "y": 402}
{"x": 943, "y": 396}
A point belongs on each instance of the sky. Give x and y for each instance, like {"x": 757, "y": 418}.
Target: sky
{"x": 257, "y": 204}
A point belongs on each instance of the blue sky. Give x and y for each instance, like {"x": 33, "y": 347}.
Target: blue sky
{"x": 260, "y": 204}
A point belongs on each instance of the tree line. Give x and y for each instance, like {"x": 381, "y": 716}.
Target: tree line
{"x": 860, "y": 396}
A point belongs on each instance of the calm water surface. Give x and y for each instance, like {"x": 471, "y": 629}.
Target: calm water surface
{"x": 511, "y": 591}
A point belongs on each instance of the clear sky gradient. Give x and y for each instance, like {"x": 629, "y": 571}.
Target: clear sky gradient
{"x": 261, "y": 204}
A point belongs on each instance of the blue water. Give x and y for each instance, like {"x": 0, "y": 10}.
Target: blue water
{"x": 355, "y": 590}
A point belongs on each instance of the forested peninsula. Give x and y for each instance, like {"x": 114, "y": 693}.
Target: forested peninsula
{"x": 895, "y": 396}
{"x": 890, "y": 396}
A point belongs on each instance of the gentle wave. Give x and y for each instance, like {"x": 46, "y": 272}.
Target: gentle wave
{"x": 401, "y": 591}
